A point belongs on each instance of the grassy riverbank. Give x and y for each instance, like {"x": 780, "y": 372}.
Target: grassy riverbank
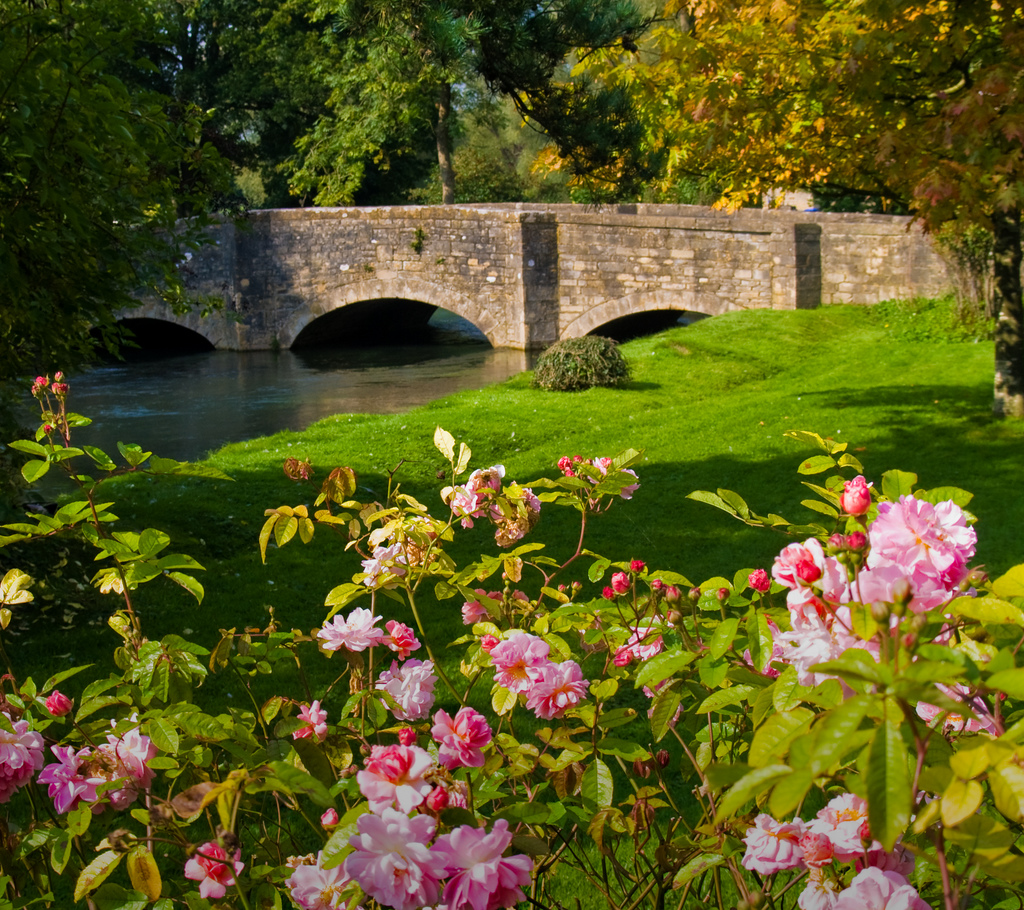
{"x": 708, "y": 404}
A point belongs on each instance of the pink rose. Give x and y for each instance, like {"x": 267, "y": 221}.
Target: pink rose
{"x": 21, "y": 755}
{"x": 480, "y": 877}
{"x": 58, "y": 704}
{"x": 840, "y": 821}
{"x": 874, "y": 889}
{"x": 395, "y": 775}
{"x": 392, "y": 862}
{"x": 462, "y": 739}
{"x": 400, "y": 638}
{"x": 316, "y": 722}
{"x": 357, "y": 632}
{"x": 816, "y": 848}
{"x": 312, "y": 887}
{"x": 620, "y": 582}
{"x": 518, "y": 661}
{"x": 560, "y": 687}
{"x": 211, "y": 867}
{"x": 773, "y": 846}
{"x": 330, "y": 818}
{"x": 411, "y": 685}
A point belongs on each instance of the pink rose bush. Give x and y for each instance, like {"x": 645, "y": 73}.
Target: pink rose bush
{"x": 842, "y": 731}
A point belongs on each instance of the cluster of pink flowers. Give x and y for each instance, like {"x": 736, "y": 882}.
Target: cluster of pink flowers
{"x": 21, "y": 755}
{"x": 522, "y": 665}
{"x": 570, "y": 468}
{"x": 394, "y": 862}
{"x": 838, "y": 834}
{"x": 916, "y": 554}
{"x": 514, "y": 510}
{"x": 474, "y": 611}
{"x": 76, "y": 775}
{"x": 411, "y": 685}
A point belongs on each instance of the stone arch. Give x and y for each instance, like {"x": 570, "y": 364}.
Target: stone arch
{"x": 214, "y": 328}
{"x": 394, "y": 288}
{"x": 643, "y": 302}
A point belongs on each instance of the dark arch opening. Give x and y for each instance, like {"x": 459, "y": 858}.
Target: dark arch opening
{"x": 147, "y": 337}
{"x": 637, "y": 325}
{"x": 389, "y": 321}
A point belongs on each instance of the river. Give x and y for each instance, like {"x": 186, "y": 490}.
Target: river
{"x": 184, "y": 406}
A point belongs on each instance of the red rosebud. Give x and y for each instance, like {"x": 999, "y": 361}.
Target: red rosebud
{"x": 636, "y": 566}
{"x": 58, "y": 704}
{"x": 407, "y": 736}
{"x": 608, "y": 593}
{"x": 437, "y": 799}
{"x": 856, "y": 496}
{"x": 759, "y": 580}
{"x": 857, "y": 540}
{"x": 620, "y": 582}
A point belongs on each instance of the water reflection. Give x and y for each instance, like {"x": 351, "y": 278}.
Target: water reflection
{"x": 185, "y": 406}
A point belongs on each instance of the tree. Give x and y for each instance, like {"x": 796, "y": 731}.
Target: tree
{"x": 96, "y": 172}
{"x": 411, "y": 56}
{"x": 920, "y": 102}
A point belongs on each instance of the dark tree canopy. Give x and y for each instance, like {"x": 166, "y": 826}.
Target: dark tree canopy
{"x": 96, "y": 169}
{"x": 408, "y": 60}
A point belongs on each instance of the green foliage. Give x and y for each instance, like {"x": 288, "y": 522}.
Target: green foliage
{"x": 968, "y": 250}
{"x": 405, "y": 65}
{"x": 933, "y": 320}
{"x": 97, "y": 169}
{"x": 574, "y": 364}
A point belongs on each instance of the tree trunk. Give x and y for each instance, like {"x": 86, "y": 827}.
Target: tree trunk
{"x": 444, "y": 144}
{"x": 1009, "y": 386}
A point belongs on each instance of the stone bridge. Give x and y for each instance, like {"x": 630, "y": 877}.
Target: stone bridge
{"x": 528, "y": 275}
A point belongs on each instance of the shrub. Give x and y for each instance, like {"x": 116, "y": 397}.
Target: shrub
{"x": 581, "y": 363}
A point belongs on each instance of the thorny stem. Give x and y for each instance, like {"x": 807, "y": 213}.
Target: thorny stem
{"x": 430, "y": 651}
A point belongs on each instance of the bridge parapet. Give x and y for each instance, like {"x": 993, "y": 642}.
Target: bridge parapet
{"x": 528, "y": 275}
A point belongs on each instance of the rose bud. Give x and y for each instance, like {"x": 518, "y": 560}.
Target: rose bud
{"x": 329, "y": 819}
{"x": 856, "y": 496}
{"x": 58, "y": 704}
{"x": 759, "y": 580}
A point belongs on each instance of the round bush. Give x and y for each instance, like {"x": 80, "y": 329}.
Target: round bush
{"x": 581, "y": 363}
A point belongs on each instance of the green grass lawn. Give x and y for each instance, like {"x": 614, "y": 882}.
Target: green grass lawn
{"x": 708, "y": 404}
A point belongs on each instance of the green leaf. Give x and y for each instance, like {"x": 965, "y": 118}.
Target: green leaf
{"x": 1009, "y": 584}
{"x": 722, "y": 698}
{"x": 835, "y": 732}
{"x": 748, "y": 787}
{"x": 897, "y": 483}
{"x": 189, "y": 583}
{"x": 96, "y": 873}
{"x": 113, "y": 897}
{"x": 888, "y": 786}
{"x": 788, "y": 793}
{"x": 33, "y": 470}
{"x": 663, "y": 666}
{"x": 102, "y": 460}
{"x": 60, "y": 851}
{"x": 696, "y": 867}
{"x": 164, "y": 735}
{"x": 987, "y": 610}
{"x": 597, "y": 784}
{"x": 713, "y": 499}
{"x": 945, "y": 494}
{"x": 817, "y": 464}
{"x": 531, "y": 813}
{"x": 28, "y": 446}
{"x": 1009, "y": 681}
{"x": 663, "y": 711}
{"x": 773, "y": 736}
{"x": 759, "y": 638}
{"x": 721, "y": 641}
{"x": 623, "y": 748}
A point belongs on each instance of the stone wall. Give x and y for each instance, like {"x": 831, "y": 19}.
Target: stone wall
{"x": 527, "y": 275}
